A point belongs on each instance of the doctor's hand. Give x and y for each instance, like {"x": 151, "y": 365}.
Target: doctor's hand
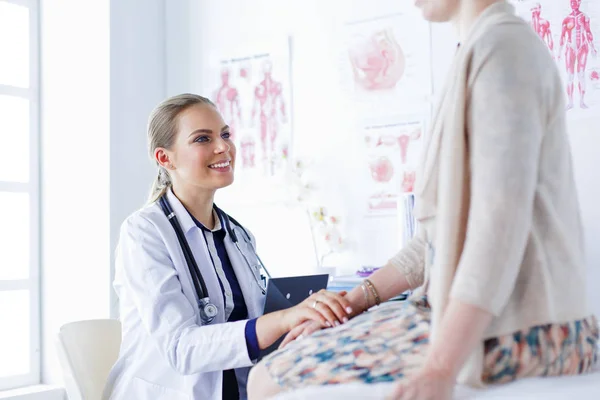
{"x": 324, "y": 307}
{"x": 303, "y": 330}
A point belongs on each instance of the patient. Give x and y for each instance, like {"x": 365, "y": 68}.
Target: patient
{"x": 497, "y": 263}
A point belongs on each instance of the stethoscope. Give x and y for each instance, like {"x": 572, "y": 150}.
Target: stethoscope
{"x": 208, "y": 311}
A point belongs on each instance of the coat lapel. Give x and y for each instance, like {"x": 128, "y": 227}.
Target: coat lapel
{"x": 197, "y": 244}
{"x": 253, "y": 296}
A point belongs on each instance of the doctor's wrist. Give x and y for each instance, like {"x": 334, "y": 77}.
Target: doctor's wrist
{"x": 286, "y": 319}
{"x": 294, "y": 316}
{"x": 269, "y": 328}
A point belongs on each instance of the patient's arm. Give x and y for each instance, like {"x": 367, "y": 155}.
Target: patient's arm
{"x": 389, "y": 282}
{"x": 461, "y": 329}
{"x": 406, "y": 270}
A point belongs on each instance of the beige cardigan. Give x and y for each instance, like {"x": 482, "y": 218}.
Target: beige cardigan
{"x": 496, "y": 193}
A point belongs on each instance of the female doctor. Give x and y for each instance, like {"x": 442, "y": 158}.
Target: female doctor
{"x": 184, "y": 336}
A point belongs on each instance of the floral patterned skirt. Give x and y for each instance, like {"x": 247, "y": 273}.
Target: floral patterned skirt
{"x": 390, "y": 342}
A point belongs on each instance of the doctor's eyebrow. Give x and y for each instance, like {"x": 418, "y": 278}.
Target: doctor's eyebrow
{"x": 209, "y": 131}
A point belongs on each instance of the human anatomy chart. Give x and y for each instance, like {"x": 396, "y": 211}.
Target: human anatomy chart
{"x": 571, "y": 31}
{"x": 253, "y": 93}
{"x": 542, "y": 27}
{"x": 392, "y": 152}
{"x": 382, "y": 66}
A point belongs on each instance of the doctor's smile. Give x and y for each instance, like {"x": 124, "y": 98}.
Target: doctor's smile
{"x": 223, "y": 166}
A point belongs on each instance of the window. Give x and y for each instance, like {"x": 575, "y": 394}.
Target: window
{"x": 19, "y": 194}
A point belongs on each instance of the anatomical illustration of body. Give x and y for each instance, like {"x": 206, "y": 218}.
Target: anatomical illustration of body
{"x": 269, "y": 105}
{"x": 541, "y": 26}
{"x": 227, "y": 100}
{"x": 576, "y": 42}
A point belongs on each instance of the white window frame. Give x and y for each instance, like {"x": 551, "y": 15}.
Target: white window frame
{"x": 32, "y": 93}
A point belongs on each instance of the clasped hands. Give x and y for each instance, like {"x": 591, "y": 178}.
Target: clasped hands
{"x": 323, "y": 309}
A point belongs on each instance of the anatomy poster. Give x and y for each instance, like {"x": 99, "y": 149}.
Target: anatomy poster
{"x": 383, "y": 67}
{"x": 392, "y": 149}
{"x": 253, "y": 93}
{"x": 570, "y": 29}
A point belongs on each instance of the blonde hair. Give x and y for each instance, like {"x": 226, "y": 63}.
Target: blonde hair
{"x": 162, "y": 131}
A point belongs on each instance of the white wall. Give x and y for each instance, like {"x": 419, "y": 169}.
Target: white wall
{"x": 319, "y": 114}
{"x": 75, "y": 171}
{"x": 103, "y": 69}
{"x": 180, "y": 26}
{"x": 585, "y": 143}
{"x": 137, "y": 85}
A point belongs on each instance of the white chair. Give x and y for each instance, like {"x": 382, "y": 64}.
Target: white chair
{"x": 87, "y": 351}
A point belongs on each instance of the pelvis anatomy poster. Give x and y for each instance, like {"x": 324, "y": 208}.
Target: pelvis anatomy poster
{"x": 383, "y": 69}
{"x": 392, "y": 151}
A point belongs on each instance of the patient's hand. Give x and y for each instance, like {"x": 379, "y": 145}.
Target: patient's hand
{"x": 304, "y": 329}
{"x": 427, "y": 384}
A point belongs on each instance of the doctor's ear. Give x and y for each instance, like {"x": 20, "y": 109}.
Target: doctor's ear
{"x": 163, "y": 159}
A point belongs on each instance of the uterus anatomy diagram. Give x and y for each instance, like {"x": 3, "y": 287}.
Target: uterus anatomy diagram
{"x": 576, "y": 43}
{"x": 377, "y": 60}
{"x": 390, "y": 172}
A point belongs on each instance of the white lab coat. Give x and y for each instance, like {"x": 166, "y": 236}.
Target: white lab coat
{"x": 166, "y": 353}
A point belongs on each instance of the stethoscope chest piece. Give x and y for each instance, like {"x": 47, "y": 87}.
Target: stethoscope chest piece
{"x": 208, "y": 311}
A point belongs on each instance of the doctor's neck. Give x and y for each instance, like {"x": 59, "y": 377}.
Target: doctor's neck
{"x": 199, "y": 203}
{"x": 467, "y": 13}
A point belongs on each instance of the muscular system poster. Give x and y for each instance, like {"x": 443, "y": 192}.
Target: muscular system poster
{"x": 570, "y": 29}
{"x": 252, "y": 90}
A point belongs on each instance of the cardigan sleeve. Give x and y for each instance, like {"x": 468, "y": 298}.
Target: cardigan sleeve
{"x": 506, "y": 116}
{"x": 410, "y": 261}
